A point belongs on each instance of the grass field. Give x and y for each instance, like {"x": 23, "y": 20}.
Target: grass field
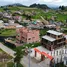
{"x": 7, "y": 32}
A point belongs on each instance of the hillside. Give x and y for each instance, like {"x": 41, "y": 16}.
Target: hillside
{"x": 15, "y": 4}
{"x": 41, "y": 6}
{"x": 37, "y": 12}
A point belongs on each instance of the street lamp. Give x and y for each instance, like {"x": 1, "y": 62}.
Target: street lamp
{"x": 29, "y": 51}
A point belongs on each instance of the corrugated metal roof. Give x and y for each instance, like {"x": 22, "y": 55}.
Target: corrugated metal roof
{"x": 54, "y": 32}
{"x": 49, "y": 38}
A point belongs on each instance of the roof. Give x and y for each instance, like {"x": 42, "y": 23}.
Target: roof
{"x": 43, "y": 53}
{"x": 54, "y": 32}
{"x": 49, "y": 38}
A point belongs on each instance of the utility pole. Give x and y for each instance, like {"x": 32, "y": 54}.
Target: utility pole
{"x": 29, "y": 51}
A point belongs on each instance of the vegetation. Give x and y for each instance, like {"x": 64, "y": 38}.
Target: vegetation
{"x": 7, "y": 32}
{"x": 28, "y": 45}
{"x": 60, "y": 16}
{"x": 18, "y": 55}
{"x": 41, "y": 6}
{"x": 43, "y": 32}
{"x": 60, "y": 65}
{"x": 62, "y": 7}
{"x": 11, "y": 64}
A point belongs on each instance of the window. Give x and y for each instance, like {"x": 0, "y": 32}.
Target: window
{"x": 64, "y": 39}
{"x": 66, "y": 62}
{"x": 57, "y": 52}
{"x": 22, "y": 37}
{"x": 51, "y": 53}
{"x": 54, "y": 52}
{"x": 62, "y": 51}
{"x": 57, "y": 60}
{"x": 29, "y": 39}
{"x": 65, "y": 51}
{"x": 33, "y": 37}
{"x": 48, "y": 34}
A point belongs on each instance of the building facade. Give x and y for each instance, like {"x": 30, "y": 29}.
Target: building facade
{"x": 53, "y": 40}
{"x": 26, "y": 35}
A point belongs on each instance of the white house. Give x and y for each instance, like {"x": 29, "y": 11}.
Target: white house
{"x": 11, "y": 22}
{"x": 1, "y": 24}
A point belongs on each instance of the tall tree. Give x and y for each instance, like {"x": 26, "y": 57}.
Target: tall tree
{"x": 18, "y": 55}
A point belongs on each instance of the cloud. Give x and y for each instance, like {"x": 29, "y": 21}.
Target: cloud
{"x": 28, "y": 2}
{"x": 57, "y": 0}
{"x": 45, "y": 0}
{"x": 50, "y": 1}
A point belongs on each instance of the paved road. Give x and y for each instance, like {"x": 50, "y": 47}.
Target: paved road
{"x": 25, "y": 61}
{"x": 7, "y": 50}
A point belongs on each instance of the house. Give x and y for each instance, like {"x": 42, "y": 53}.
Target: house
{"x": 52, "y": 48}
{"x": 11, "y": 22}
{"x": 7, "y": 15}
{"x": 36, "y": 25}
{"x": 53, "y": 40}
{"x": 1, "y": 24}
{"x": 19, "y": 26}
{"x": 50, "y": 26}
{"x": 1, "y": 14}
{"x": 18, "y": 18}
{"x": 65, "y": 61}
{"x": 18, "y": 12}
{"x": 26, "y": 35}
{"x": 12, "y": 25}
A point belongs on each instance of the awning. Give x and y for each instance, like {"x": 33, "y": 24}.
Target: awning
{"x": 37, "y": 50}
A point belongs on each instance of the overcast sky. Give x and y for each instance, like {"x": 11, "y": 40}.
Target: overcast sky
{"x": 29, "y": 2}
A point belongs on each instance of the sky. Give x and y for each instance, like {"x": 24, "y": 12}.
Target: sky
{"x": 29, "y": 2}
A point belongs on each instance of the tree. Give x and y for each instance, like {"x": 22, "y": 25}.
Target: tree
{"x": 41, "y": 6}
{"x": 18, "y": 55}
{"x": 59, "y": 7}
{"x": 62, "y": 7}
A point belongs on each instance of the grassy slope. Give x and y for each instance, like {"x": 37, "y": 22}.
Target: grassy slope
{"x": 60, "y": 17}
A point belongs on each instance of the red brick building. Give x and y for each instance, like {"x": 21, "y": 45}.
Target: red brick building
{"x": 26, "y": 35}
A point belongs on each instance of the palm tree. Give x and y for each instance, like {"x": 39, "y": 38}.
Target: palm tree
{"x": 18, "y": 55}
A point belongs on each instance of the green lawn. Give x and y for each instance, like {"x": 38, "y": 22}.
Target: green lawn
{"x": 7, "y": 32}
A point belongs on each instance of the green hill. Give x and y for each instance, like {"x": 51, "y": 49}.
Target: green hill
{"x": 41, "y": 6}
